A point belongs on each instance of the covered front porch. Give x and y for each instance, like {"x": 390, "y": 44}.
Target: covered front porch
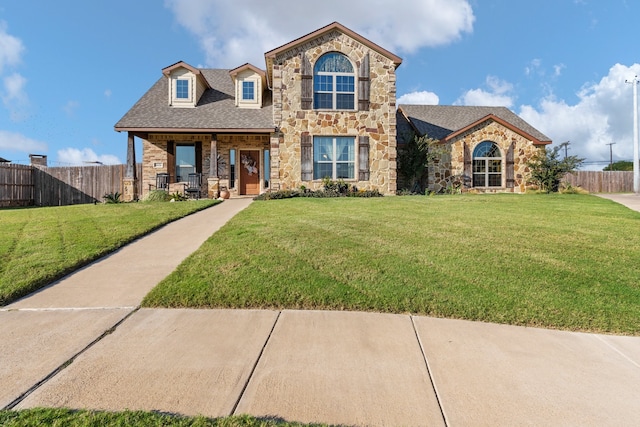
{"x": 243, "y": 164}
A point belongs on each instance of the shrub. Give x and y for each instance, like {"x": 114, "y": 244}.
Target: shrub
{"x": 177, "y": 197}
{"x": 112, "y": 197}
{"x": 333, "y": 191}
{"x": 547, "y": 169}
{"x": 157, "y": 196}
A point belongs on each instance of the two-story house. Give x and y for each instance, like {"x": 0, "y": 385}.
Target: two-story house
{"x": 324, "y": 107}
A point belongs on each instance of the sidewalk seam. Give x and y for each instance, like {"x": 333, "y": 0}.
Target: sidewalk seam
{"x": 630, "y": 360}
{"x": 68, "y": 362}
{"x": 255, "y": 365}
{"x": 426, "y": 362}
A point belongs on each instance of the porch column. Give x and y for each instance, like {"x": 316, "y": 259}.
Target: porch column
{"x": 274, "y": 164}
{"x": 213, "y": 181}
{"x": 130, "y": 180}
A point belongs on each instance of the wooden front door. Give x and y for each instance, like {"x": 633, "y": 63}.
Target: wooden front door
{"x": 249, "y": 172}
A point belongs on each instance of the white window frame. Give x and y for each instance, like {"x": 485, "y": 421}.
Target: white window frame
{"x": 487, "y": 173}
{"x": 248, "y": 103}
{"x": 182, "y": 102}
{"x": 334, "y": 92}
{"x": 335, "y": 162}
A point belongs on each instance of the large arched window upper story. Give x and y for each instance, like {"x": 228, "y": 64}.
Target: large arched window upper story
{"x": 334, "y": 83}
{"x": 487, "y": 165}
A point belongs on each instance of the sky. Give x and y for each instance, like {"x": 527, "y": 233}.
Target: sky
{"x": 70, "y": 69}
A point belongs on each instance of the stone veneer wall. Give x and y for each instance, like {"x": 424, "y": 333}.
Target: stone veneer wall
{"x": 379, "y": 122}
{"x": 450, "y": 169}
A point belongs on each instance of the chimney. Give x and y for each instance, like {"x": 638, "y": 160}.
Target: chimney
{"x": 38, "y": 160}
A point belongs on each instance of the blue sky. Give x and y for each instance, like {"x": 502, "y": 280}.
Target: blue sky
{"x": 69, "y": 70}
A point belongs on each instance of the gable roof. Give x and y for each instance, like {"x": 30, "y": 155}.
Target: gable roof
{"x": 445, "y": 122}
{"x": 270, "y": 56}
{"x": 215, "y": 111}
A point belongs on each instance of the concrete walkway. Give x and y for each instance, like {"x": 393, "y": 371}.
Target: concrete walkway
{"x": 83, "y": 343}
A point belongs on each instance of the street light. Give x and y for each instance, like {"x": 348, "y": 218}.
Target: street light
{"x": 636, "y": 172}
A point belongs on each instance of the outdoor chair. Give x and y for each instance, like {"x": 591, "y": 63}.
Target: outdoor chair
{"x": 162, "y": 181}
{"x": 192, "y": 188}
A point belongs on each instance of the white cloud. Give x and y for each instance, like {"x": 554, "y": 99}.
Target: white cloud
{"x": 603, "y": 114}
{"x": 76, "y": 157}
{"x": 533, "y": 67}
{"x": 13, "y": 141}
{"x": 70, "y": 108}
{"x": 232, "y": 33}
{"x": 557, "y": 69}
{"x": 420, "y": 98}
{"x": 107, "y": 93}
{"x": 11, "y": 48}
{"x": 14, "y": 96}
{"x": 499, "y": 94}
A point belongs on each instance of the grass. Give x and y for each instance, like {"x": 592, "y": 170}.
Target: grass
{"x": 39, "y": 245}
{"x": 556, "y": 261}
{"x": 72, "y": 418}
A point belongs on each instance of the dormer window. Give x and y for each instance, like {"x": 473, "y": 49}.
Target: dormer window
{"x": 182, "y": 89}
{"x": 250, "y": 82}
{"x": 248, "y": 90}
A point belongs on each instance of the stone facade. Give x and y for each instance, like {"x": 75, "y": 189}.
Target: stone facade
{"x": 450, "y": 173}
{"x": 378, "y": 122}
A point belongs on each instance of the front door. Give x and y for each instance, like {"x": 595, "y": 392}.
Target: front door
{"x": 249, "y": 172}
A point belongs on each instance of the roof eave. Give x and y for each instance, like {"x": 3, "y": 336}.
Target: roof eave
{"x": 504, "y": 123}
{"x": 193, "y": 130}
{"x": 270, "y": 55}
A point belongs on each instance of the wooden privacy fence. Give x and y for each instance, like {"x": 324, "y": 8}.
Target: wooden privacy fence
{"x": 601, "y": 181}
{"x": 27, "y": 185}
{"x": 16, "y": 185}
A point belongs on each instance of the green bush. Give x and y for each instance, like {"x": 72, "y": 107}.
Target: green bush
{"x": 157, "y": 196}
{"x": 112, "y": 197}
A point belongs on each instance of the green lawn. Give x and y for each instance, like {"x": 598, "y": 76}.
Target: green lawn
{"x": 39, "y": 245}
{"x": 70, "y": 418}
{"x": 557, "y": 261}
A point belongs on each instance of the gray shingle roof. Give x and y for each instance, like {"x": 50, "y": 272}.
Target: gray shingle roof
{"x": 216, "y": 109}
{"x": 439, "y": 121}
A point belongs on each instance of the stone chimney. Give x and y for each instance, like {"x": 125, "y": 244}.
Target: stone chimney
{"x": 38, "y": 160}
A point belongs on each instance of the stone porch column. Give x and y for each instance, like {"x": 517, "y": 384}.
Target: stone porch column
{"x": 213, "y": 182}
{"x": 274, "y": 154}
{"x": 130, "y": 180}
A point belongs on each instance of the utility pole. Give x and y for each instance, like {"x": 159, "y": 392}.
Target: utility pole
{"x": 566, "y": 147}
{"x": 636, "y": 171}
{"x": 610, "y": 155}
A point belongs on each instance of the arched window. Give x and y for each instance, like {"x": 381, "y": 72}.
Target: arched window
{"x": 487, "y": 165}
{"x": 333, "y": 83}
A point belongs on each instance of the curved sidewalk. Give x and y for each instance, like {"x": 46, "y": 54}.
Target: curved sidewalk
{"x": 630, "y": 200}
{"x": 68, "y": 346}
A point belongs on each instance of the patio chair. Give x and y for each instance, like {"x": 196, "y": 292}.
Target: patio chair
{"x": 193, "y": 185}
{"x": 162, "y": 182}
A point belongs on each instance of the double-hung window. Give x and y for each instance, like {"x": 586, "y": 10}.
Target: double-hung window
{"x": 334, "y": 157}
{"x": 333, "y": 83}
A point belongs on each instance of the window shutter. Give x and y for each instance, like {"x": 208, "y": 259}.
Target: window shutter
{"x": 306, "y": 161}
{"x": 171, "y": 160}
{"x": 363, "y": 84}
{"x": 467, "y": 165}
{"x": 510, "y": 168}
{"x": 363, "y": 158}
{"x": 307, "y": 83}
